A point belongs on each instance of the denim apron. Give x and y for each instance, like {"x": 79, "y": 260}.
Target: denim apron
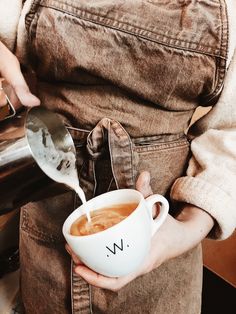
{"x": 126, "y": 77}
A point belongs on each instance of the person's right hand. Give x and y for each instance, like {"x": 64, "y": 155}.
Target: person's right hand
{"x": 175, "y": 237}
{"x": 11, "y": 72}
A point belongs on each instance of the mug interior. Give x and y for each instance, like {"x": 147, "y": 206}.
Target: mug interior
{"x": 122, "y": 196}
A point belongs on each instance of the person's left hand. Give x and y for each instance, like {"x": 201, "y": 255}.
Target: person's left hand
{"x": 174, "y": 237}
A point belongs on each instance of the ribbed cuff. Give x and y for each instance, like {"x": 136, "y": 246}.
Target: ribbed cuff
{"x": 212, "y": 199}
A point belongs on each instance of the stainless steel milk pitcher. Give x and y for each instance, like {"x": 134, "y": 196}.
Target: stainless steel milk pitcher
{"x": 34, "y": 147}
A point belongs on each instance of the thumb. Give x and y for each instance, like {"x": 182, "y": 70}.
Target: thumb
{"x": 25, "y": 96}
{"x": 11, "y": 71}
{"x": 143, "y": 184}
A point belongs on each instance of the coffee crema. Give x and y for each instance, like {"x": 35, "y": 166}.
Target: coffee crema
{"x": 102, "y": 219}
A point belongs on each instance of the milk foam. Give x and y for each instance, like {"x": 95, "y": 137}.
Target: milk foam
{"x": 101, "y": 220}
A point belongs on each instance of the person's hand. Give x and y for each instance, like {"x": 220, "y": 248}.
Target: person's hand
{"x": 175, "y": 237}
{"x": 11, "y": 72}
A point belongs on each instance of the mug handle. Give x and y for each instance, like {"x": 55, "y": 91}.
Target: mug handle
{"x": 164, "y": 208}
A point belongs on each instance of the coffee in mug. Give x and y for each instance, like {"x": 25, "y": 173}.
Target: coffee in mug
{"x": 102, "y": 219}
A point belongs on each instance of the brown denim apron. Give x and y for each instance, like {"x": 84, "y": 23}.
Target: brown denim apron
{"x": 126, "y": 76}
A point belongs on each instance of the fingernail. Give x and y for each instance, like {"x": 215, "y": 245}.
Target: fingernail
{"x": 147, "y": 180}
{"x": 33, "y": 100}
{"x": 29, "y": 99}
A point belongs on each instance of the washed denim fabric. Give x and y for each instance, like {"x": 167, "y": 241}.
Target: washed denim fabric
{"x": 126, "y": 77}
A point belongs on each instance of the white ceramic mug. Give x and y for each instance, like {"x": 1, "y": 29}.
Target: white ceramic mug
{"x": 120, "y": 249}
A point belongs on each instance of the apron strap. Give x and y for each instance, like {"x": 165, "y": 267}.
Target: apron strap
{"x": 111, "y": 133}
{"x": 107, "y": 134}
{"x": 80, "y": 294}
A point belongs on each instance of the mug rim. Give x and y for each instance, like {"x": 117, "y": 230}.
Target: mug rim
{"x": 67, "y": 233}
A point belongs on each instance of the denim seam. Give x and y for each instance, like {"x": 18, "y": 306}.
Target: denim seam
{"x": 221, "y": 62}
{"x": 147, "y": 150}
{"x": 31, "y": 19}
{"x": 90, "y": 300}
{"x": 159, "y": 139}
{"x": 127, "y": 142}
{"x": 112, "y": 20}
{"x": 161, "y": 147}
{"x": 40, "y": 235}
{"x": 71, "y": 286}
{"x": 65, "y": 8}
{"x": 80, "y": 294}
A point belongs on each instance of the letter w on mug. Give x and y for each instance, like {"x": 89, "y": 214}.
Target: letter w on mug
{"x": 118, "y": 238}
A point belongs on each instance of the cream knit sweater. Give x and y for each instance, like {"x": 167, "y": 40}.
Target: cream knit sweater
{"x": 210, "y": 181}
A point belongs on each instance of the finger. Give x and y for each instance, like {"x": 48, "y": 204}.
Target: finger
{"x": 75, "y": 258}
{"x": 26, "y": 98}
{"x": 101, "y": 281}
{"x": 3, "y": 100}
{"x": 143, "y": 184}
{"x": 10, "y": 70}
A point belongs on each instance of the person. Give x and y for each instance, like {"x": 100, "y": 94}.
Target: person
{"x": 126, "y": 77}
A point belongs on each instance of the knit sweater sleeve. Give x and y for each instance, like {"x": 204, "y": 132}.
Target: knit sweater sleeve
{"x": 10, "y": 12}
{"x": 210, "y": 182}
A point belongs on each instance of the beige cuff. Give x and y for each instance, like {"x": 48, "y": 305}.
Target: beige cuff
{"x": 210, "y": 198}
{"x": 9, "y": 17}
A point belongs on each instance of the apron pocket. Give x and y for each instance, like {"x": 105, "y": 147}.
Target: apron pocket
{"x": 165, "y": 157}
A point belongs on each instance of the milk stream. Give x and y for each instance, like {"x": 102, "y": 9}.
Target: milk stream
{"x": 58, "y": 164}
{"x": 74, "y": 184}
